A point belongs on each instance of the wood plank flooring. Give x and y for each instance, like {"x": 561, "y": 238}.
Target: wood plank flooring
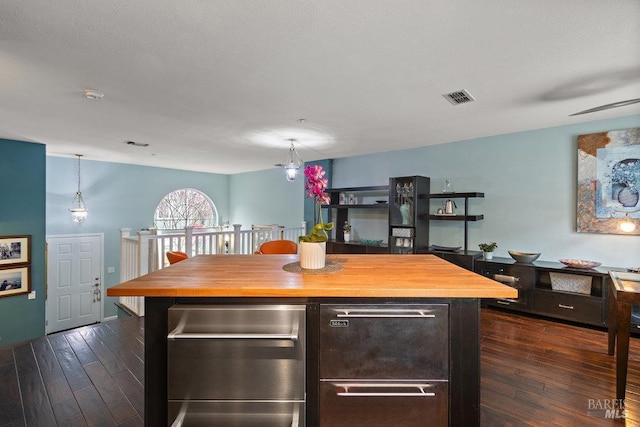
{"x": 535, "y": 372}
{"x": 90, "y": 376}
{"x": 543, "y": 373}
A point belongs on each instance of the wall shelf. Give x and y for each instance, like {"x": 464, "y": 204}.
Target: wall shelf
{"x": 366, "y": 196}
{"x": 466, "y": 217}
{"x": 456, "y": 217}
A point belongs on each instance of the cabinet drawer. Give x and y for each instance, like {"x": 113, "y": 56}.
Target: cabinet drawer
{"x": 236, "y": 414}
{"x": 578, "y": 308}
{"x": 236, "y": 352}
{"x": 369, "y": 404}
{"x": 395, "y": 341}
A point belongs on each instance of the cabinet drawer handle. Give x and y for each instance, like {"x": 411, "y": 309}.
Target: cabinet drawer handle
{"x": 506, "y": 279}
{"x": 385, "y": 313}
{"x": 568, "y": 307}
{"x": 178, "y": 333}
{"x": 503, "y": 302}
{"x": 175, "y": 335}
{"x": 421, "y": 390}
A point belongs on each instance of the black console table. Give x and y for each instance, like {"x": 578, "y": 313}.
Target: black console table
{"x": 552, "y": 289}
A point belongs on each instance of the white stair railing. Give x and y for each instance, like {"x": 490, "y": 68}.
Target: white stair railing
{"x": 145, "y": 252}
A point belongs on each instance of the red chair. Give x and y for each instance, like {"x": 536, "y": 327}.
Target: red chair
{"x": 278, "y": 247}
{"x": 176, "y": 256}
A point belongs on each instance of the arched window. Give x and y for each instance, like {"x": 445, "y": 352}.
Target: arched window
{"x": 185, "y": 207}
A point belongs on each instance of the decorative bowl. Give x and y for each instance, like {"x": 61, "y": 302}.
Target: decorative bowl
{"x": 371, "y": 242}
{"x": 524, "y": 257}
{"x": 579, "y": 263}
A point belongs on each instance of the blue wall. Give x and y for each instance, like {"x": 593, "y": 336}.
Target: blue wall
{"x": 23, "y": 212}
{"x": 529, "y": 180}
{"x": 266, "y": 197}
{"x": 119, "y": 196}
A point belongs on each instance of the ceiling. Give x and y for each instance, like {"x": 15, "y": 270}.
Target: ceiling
{"x": 221, "y": 85}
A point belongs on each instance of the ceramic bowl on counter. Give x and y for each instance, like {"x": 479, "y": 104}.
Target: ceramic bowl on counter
{"x": 580, "y": 263}
{"x": 524, "y": 257}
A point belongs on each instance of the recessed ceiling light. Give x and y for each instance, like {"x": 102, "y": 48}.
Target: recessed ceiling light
{"x": 93, "y": 94}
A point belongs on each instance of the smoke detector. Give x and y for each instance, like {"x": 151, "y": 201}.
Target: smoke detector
{"x": 93, "y": 94}
{"x": 459, "y": 97}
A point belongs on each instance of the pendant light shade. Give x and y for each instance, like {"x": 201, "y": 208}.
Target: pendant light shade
{"x": 78, "y": 209}
{"x": 293, "y": 163}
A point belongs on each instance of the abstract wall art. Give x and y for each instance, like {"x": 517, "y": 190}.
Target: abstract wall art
{"x": 608, "y": 196}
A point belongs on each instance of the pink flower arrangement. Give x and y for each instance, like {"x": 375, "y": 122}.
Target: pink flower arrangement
{"x": 316, "y": 184}
{"x": 315, "y": 187}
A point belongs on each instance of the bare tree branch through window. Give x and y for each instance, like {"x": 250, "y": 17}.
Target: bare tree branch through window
{"x": 185, "y": 207}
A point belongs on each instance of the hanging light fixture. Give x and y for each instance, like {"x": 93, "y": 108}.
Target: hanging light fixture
{"x": 78, "y": 209}
{"x": 293, "y": 162}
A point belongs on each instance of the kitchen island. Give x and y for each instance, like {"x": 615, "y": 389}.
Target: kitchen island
{"x": 398, "y": 292}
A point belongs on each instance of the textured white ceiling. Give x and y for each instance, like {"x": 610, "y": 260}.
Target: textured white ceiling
{"x": 219, "y": 85}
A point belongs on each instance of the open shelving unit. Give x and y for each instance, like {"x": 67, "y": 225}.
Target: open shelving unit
{"x": 466, "y": 217}
{"x": 363, "y": 198}
{"x": 414, "y": 230}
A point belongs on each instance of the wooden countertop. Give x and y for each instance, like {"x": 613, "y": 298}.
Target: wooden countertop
{"x": 391, "y": 276}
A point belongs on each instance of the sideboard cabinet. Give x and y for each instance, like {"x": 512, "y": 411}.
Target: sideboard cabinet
{"x": 552, "y": 289}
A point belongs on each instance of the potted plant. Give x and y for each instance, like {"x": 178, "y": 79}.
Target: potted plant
{"x": 313, "y": 245}
{"x": 487, "y": 249}
{"x": 347, "y": 231}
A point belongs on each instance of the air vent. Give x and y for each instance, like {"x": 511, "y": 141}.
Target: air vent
{"x": 459, "y": 97}
{"x": 136, "y": 144}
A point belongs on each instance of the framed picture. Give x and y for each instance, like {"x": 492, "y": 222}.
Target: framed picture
{"x": 609, "y": 182}
{"x": 15, "y": 281}
{"x": 15, "y": 250}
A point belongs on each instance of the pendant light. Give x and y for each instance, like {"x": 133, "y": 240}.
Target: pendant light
{"x": 78, "y": 209}
{"x": 292, "y": 164}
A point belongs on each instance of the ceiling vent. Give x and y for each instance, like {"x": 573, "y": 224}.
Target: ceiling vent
{"x": 459, "y": 97}
{"x": 137, "y": 144}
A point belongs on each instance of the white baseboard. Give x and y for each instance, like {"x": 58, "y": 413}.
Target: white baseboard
{"x": 106, "y": 319}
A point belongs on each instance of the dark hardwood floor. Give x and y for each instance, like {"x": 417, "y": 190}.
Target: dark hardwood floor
{"x": 92, "y": 376}
{"x": 543, "y": 373}
{"x": 535, "y": 372}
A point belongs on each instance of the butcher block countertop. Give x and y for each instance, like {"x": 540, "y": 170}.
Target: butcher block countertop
{"x": 391, "y": 276}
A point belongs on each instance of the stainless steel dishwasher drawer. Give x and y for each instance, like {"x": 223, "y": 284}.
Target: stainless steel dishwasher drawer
{"x": 254, "y": 352}
{"x": 237, "y": 414}
{"x": 383, "y": 404}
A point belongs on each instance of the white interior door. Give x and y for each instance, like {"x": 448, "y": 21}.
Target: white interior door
{"x": 74, "y": 281}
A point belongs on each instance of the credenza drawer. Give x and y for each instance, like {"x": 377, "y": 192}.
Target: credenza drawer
{"x": 575, "y": 307}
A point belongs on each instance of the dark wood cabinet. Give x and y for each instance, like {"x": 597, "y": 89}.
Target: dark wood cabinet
{"x": 408, "y": 214}
{"x": 552, "y": 289}
{"x": 521, "y": 277}
{"x": 405, "y": 201}
{"x": 334, "y": 247}
{"x": 464, "y": 259}
{"x": 447, "y": 393}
